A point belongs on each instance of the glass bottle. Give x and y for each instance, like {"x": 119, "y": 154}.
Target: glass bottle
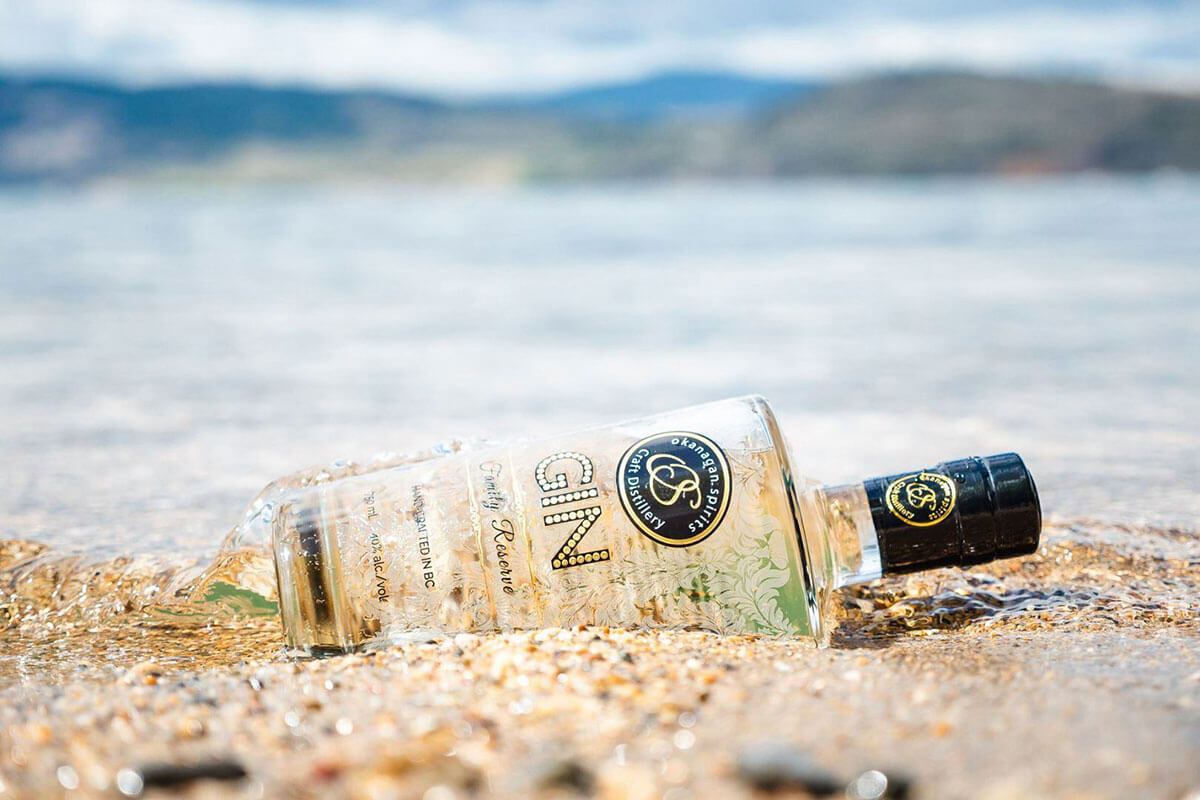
{"x": 693, "y": 518}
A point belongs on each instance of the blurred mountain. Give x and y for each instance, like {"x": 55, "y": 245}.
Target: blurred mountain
{"x": 940, "y": 122}
{"x": 678, "y": 125}
{"x": 61, "y": 129}
{"x": 670, "y": 95}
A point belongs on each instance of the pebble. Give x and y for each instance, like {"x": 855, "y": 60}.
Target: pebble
{"x": 877, "y": 785}
{"x": 565, "y": 774}
{"x": 778, "y": 766}
{"x": 129, "y": 782}
{"x": 67, "y": 777}
{"x": 132, "y": 782}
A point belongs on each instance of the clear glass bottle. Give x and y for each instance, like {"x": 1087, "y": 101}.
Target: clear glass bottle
{"x": 694, "y": 518}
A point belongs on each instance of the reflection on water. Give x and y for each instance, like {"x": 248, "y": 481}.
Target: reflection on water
{"x": 65, "y": 617}
{"x": 177, "y": 349}
{"x": 1079, "y": 581}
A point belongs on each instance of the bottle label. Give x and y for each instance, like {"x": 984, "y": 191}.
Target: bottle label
{"x": 675, "y": 487}
{"x": 921, "y": 499}
{"x": 647, "y": 523}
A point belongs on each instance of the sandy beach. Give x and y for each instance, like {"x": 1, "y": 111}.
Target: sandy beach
{"x": 1072, "y": 673}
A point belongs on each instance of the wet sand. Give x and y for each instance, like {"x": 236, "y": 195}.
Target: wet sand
{"x": 1072, "y": 673}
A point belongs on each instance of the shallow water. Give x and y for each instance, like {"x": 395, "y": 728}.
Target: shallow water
{"x": 167, "y": 352}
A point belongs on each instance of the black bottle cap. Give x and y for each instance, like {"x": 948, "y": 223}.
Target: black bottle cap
{"x": 957, "y": 513}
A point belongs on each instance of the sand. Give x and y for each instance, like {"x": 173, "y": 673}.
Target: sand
{"x": 1073, "y": 673}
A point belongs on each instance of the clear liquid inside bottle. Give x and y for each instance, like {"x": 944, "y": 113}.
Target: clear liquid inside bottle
{"x": 686, "y": 519}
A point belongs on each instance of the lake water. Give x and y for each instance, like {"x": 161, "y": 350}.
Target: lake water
{"x": 165, "y": 352}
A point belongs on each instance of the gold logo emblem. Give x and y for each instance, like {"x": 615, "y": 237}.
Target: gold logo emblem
{"x": 923, "y": 499}
{"x": 920, "y": 495}
{"x": 675, "y": 487}
{"x": 671, "y": 473}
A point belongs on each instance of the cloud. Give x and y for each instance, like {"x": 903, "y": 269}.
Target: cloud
{"x": 478, "y": 48}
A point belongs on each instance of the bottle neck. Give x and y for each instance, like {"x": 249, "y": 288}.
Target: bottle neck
{"x": 956, "y": 513}
{"x": 852, "y": 545}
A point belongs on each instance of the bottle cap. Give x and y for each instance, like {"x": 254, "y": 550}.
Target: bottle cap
{"x": 960, "y": 512}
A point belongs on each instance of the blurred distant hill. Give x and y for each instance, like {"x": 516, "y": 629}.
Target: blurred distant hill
{"x": 670, "y": 95}
{"x": 676, "y": 125}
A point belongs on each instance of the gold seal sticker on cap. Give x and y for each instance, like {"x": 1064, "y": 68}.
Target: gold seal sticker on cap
{"x": 922, "y": 499}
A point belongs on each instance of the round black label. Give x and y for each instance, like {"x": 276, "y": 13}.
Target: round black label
{"x": 923, "y": 499}
{"x": 675, "y": 487}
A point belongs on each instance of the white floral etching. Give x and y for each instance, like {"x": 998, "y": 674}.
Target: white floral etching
{"x": 730, "y": 583}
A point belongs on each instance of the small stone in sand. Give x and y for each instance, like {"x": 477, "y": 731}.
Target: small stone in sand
{"x": 132, "y": 782}
{"x": 876, "y": 785}
{"x": 566, "y": 774}
{"x": 775, "y": 766}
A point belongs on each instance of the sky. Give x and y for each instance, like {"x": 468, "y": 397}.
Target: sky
{"x": 472, "y": 48}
